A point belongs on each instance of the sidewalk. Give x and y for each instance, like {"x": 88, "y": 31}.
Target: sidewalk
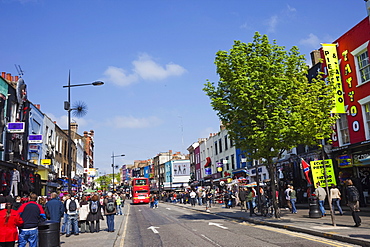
{"x": 300, "y": 222}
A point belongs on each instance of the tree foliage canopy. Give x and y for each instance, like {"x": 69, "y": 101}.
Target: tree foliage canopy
{"x": 266, "y": 101}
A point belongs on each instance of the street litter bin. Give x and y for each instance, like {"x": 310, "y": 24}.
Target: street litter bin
{"x": 49, "y": 234}
{"x": 314, "y": 207}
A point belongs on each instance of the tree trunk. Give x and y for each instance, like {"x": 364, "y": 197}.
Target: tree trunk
{"x": 272, "y": 172}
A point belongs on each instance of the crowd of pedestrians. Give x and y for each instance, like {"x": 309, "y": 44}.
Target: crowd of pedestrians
{"x": 20, "y": 217}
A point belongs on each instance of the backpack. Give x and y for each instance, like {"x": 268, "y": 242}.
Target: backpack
{"x": 94, "y": 207}
{"x": 110, "y": 206}
{"x": 72, "y": 206}
{"x": 353, "y": 195}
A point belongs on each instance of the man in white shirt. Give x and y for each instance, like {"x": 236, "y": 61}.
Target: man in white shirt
{"x": 287, "y": 198}
{"x": 193, "y": 195}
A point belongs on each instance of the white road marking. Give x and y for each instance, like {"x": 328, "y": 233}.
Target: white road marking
{"x": 153, "y": 228}
{"x": 218, "y": 225}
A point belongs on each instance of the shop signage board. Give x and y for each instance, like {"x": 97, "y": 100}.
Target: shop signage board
{"x": 317, "y": 167}
{"x": 17, "y": 127}
{"x": 35, "y": 139}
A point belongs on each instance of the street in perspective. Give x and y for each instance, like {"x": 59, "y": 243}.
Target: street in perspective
{"x": 206, "y": 123}
{"x": 178, "y": 224}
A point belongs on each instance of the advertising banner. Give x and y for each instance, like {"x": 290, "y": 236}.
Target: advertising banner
{"x": 332, "y": 63}
{"x": 317, "y": 168}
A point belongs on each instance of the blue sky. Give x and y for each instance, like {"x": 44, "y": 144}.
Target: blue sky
{"x": 154, "y": 57}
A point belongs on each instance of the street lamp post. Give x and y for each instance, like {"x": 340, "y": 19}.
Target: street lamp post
{"x": 114, "y": 156}
{"x": 67, "y": 107}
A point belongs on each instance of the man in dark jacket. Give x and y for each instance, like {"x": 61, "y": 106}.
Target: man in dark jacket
{"x": 30, "y": 212}
{"x": 243, "y": 199}
{"x": 54, "y": 208}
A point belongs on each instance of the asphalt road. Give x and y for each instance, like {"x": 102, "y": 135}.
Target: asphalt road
{"x": 170, "y": 225}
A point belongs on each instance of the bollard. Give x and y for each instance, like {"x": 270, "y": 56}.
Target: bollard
{"x": 314, "y": 207}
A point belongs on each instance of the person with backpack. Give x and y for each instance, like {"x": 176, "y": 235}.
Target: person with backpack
{"x": 110, "y": 206}
{"x": 95, "y": 214}
{"x": 353, "y": 200}
{"x": 71, "y": 206}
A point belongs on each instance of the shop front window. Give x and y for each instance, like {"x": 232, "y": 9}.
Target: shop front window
{"x": 343, "y": 129}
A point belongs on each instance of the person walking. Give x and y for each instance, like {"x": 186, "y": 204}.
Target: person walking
{"x": 208, "y": 198}
{"x": 321, "y": 195}
{"x": 31, "y": 214}
{"x": 82, "y": 214}
{"x": 243, "y": 197}
{"x": 353, "y": 198}
{"x": 287, "y": 198}
{"x": 293, "y": 199}
{"x": 156, "y": 200}
{"x": 95, "y": 214}
{"x": 250, "y": 196}
{"x": 110, "y": 210}
{"x": 193, "y": 196}
{"x": 199, "y": 197}
{"x": 119, "y": 205}
{"x": 10, "y": 220}
{"x": 54, "y": 208}
{"x": 335, "y": 199}
{"x": 71, "y": 208}
{"x": 123, "y": 198}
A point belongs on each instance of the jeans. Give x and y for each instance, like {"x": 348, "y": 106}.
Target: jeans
{"x": 119, "y": 209}
{"x": 64, "y": 223}
{"x": 155, "y": 204}
{"x": 322, "y": 209}
{"x": 199, "y": 201}
{"x": 192, "y": 201}
{"x": 72, "y": 222}
{"x": 336, "y": 201}
{"x": 294, "y": 209}
{"x": 110, "y": 222}
{"x": 251, "y": 208}
{"x": 243, "y": 205}
{"x": 28, "y": 236}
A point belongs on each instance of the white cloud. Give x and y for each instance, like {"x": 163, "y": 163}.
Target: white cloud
{"x": 147, "y": 69}
{"x": 312, "y": 41}
{"x": 245, "y": 26}
{"x": 119, "y": 77}
{"x": 143, "y": 68}
{"x": 272, "y": 23}
{"x": 291, "y": 9}
{"x": 131, "y": 122}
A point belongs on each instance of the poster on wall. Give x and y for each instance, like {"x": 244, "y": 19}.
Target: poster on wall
{"x": 181, "y": 169}
{"x": 318, "y": 171}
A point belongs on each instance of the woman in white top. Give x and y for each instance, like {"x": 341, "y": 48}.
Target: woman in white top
{"x": 335, "y": 198}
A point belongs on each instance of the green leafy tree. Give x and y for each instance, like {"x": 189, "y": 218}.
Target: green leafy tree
{"x": 104, "y": 181}
{"x": 266, "y": 101}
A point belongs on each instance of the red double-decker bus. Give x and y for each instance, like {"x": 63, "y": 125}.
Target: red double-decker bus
{"x": 140, "y": 190}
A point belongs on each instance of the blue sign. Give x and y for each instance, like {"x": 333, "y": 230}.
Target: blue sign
{"x": 17, "y": 127}
{"x": 35, "y": 138}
